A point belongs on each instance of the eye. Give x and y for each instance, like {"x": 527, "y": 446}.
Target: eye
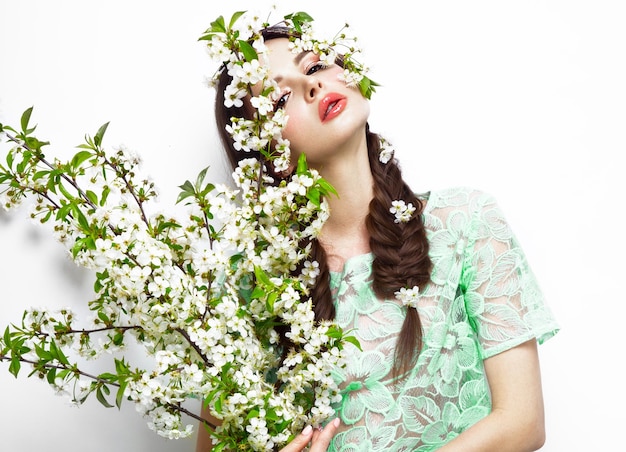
{"x": 282, "y": 101}
{"x": 317, "y": 66}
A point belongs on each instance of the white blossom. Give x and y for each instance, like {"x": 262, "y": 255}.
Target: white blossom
{"x": 408, "y": 297}
{"x": 202, "y": 291}
{"x": 402, "y": 211}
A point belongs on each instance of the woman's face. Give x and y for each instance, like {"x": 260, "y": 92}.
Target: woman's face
{"x": 325, "y": 115}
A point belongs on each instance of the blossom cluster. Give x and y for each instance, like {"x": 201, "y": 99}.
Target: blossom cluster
{"x": 239, "y": 49}
{"x": 203, "y": 299}
{"x": 219, "y": 297}
{"x": 402, "y": 211}
{"x": 408, "y": 297}
{"x": 386, "y": 151}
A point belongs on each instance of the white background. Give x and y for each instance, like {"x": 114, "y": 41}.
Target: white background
{"x": 523, "y": 99}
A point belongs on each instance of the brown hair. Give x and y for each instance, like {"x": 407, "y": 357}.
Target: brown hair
{"x": 400, "y": 249}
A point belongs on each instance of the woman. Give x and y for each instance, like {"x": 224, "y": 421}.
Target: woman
{"x": 439, "y": 293}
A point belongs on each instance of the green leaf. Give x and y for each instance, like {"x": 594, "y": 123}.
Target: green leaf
{"x": 219, "y": 447}
{"x": 200, "y": 178}
{"x": 257, "y": 293}
{"x": 44, "y": 354}
{"x": 236, "y": 16}
{"x": 100, "y": 395}
{"x": 102, "y": 316}
{"x": 82, "y": 220}
{"x": 60, "y": 355}
{"x": 298, "y": 19}
{"x": 118, "y": 339}
{"x": 91, "y": 196}
{"x": 15, "y": 366}
{"x": 79, "y": 158}
{"x": 121, "y": 367}
{"x": 313, "y": 195}
{"x": 39, "y": 174}
{"x": 334, "y": 332}
{"x": 354, "y": 341}
{"x": 51, "y": 376}
{"x": 63, "y": 211}
{"x": 183, "y": 195}
{"x": 271, "y": 300}
{"x": 326, "y": 187}
{"x": 187, "y": 190}
{"x": 271, "y": 414}
{"x": 300, "y": 16}
{"x": 119, "y": 398}
{"x": 105, "y": 195}
{"x": 262, "y": 277}
{"x": 218, "y": 25}
{"x": 10, "y": 159}
{"x": 367, "y": 87}
{"x": 167, "y": 225}
{"x": 302, "y": 165}
{"x": 100, "y": 133}
{"x": 234, "y": 259}
{"x": 26, "y": 119}
{"x": 33, "y": 143}
{"x": 7, "y": 337}
{"x": 218, "y": 403}
{"x": 248, "y": 51}
{"x": 65, "y": 193}
{"x": 9, "y": 128}
{"x": 108, "y": 376}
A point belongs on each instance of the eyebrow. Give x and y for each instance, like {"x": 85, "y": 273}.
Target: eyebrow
{"x": 301, "y": 55}
{"x": 297, "y": 59}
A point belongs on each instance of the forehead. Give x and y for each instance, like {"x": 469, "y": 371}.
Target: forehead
{"x": 279, "y": 56}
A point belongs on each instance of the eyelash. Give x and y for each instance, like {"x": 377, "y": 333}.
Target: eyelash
{"x": 312, "y": 69}
{"x": 318, "y": 66}
{"x": 281, "y": 101}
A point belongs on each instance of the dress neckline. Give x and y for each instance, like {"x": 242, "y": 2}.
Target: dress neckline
{"x": 368, "y": 258}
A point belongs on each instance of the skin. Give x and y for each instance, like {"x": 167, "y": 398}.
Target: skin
{"x": 337, "y": 149}
{"x": 516, "y": 422}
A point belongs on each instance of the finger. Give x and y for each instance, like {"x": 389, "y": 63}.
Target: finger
{"x": 321, "y": 438}
{"x": 300, "y": 442}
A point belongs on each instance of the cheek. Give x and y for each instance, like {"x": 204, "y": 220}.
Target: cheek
{"x": 336, "y": 73}
{"x": 292, "y": 131}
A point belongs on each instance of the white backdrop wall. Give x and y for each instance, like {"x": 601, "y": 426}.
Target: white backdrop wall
{"x": 523, "y": 99}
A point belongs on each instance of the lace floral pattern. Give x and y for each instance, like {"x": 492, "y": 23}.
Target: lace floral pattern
{"x": 482, "y": 300}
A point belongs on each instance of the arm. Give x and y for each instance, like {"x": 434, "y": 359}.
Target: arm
{"x": 203, "y": 441}
{"x": 516, "y": 423}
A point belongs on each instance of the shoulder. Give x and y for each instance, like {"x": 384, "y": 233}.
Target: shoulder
{"x": 466, "y": 212}
{"x": 468, "y": 199}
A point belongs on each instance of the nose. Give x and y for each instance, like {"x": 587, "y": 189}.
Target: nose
{"x": 312, "y": 88}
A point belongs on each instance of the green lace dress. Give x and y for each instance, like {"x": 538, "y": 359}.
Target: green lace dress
{"x": 482, "y": 300}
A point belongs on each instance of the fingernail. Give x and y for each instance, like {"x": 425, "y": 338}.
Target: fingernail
{"x": 336, "y": 422}
{"x": 307, "y": 430}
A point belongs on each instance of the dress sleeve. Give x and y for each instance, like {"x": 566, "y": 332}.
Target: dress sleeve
{"x": 504, "y": 302}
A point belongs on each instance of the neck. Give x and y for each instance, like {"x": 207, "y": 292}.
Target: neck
{"x": 344, "y": 234}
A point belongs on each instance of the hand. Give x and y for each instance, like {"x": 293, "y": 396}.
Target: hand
{"x": 319, "y": 439}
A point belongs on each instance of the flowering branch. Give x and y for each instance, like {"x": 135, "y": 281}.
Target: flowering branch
{"x": 219, "y": 298}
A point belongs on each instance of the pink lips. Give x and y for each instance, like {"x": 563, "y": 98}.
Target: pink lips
{"x": 331, "y": 105}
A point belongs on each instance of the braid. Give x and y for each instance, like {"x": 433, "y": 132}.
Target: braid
{"x": 400, "y": 254}
{"x": 321, "y": 295}
{"x": 400, "y": 249}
